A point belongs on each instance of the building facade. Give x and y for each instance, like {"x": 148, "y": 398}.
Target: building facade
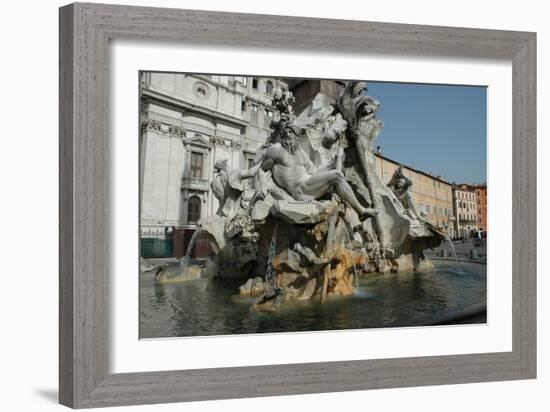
{"x": 465, "y": 205}
{"x": 481, "y": 198}
{"x": 432, "y": 193}
{"x": 188, "y": 122}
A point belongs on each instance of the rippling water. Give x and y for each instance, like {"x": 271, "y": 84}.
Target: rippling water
{"x": 211, "y": 307}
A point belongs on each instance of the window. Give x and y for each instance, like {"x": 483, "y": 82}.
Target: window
{"x": 254, "y": 114}
{"x": 196, "y": 165}
{"x": 201, "y": 91}
{"x": 193, "y": 209}
{"x": 254, "y": 83}
{"x": 269, "y": 87}
{"x": 243, "y": 106}
{"x": 269, "y": 113}
{"x": 245, "y": 81}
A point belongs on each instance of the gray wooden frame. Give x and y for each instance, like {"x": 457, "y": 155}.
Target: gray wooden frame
{"x": 85, "y": 31}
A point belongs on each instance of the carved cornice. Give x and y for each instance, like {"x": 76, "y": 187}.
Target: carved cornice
{"x": 218, "y": 141}
{"x": 161, "y": 127}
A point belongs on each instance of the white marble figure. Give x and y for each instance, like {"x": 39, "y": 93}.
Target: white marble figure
{"x": 227, "y": 186}
{"x": 294, "y": 172}
{"x": 400, "y": 186}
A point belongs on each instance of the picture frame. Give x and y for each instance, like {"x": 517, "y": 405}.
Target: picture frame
{"x": 84, "y": 356}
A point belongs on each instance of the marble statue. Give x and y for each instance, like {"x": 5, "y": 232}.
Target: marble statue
{"x": 320, "y": 215}
{"x": 227, "y": 186}
{"x": 400, "y": 186}
{"x": 293, "y": 171}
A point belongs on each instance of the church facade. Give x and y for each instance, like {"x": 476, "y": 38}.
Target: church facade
{"x": 188, "y": 122}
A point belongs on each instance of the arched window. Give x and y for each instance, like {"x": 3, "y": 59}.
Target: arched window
{"x": 269, "y": 87}
{"x": 193, "y": 210}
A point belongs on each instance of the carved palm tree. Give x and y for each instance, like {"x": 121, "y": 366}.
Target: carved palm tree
{"x": 359, "y": 109}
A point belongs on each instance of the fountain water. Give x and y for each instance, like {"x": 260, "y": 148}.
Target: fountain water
{"x": 192, "y": 242}
{"x": 355, "y": 277}
{"x": 357, "y": 292}
{"x": 270, "y": 272}
{"x": 450, "y": 242}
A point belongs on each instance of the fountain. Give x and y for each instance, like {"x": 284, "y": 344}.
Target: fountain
{"x": 452, "y": 246}
{"x": 291, "y": 239}
{"x": 164, "y": 275}
{"x": 355, "y": 275}
{"x": 270, "y": 273}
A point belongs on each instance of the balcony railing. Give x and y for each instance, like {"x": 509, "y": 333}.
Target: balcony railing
{"x": 195, "y": 183}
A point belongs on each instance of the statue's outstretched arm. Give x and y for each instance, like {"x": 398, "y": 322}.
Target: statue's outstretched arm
{"x": 245, "y": 174}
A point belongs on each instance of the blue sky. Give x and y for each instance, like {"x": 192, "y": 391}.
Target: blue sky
{"x": 439, "y": 129}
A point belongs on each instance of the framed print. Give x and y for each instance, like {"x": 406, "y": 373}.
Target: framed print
{"x": 289, "y": 200}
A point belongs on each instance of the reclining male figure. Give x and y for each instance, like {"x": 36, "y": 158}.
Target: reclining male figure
{"x": 293, "y": 171}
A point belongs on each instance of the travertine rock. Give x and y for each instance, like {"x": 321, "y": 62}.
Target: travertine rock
{"x": 188, "y": 273}
{"x": 298, "y": 212}
{"x": 261, "y": 209}
{"x": 252, "y": 287}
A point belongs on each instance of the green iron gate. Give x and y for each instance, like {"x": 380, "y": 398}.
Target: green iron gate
{"x": 156, "y": 248}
